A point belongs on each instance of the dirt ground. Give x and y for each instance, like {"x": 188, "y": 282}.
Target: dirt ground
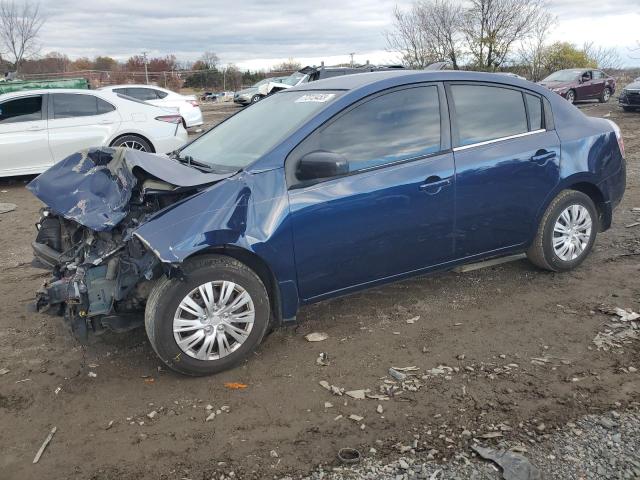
{"x": 493, "y": 320}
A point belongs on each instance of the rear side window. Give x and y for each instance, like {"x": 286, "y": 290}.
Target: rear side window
{"x": 160, "y": 93}
{"x": 121, "y": 91}
{"x": 68, "y": 105}
{"x": 104, "y": 106}
{"x": 534, "y": 107}
{"x": 486, "y": 113}
{"x": 27, "y": 109}
{"x": 392, "y": 127}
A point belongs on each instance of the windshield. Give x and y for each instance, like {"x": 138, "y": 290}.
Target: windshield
{"x": 256, "y": 130}
{"x": 563, "y": 76}
{"x": 293, "y": 79}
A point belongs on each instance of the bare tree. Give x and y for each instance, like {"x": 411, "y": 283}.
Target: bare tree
{"x": 532, "y": 50}
{"x": 407, "y": 38}
{"x": 210, "y": 60}
{"x": 605, "y": 58}
{"x": 441, "y": 23}
{"x": 20, "y": 24}
{"x": 492, "y": 27}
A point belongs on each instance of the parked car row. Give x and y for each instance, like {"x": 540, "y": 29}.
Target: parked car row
{"x": 41, "y": 127}
{"x": 580, "y": 84}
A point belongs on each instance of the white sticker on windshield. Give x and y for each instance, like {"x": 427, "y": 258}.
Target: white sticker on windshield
{"x": 316, "y": 97}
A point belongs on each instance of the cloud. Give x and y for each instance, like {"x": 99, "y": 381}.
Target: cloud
{"x": 258, "y": 33}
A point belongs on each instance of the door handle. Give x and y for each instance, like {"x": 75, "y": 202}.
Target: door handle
{"x": 435, "y": 184}
{"x": 542, "y": 157}
{"x": 105, "y": 122}
{"x": 35, "y": 128}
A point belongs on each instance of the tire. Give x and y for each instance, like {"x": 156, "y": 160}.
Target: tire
{"x": 606, "y": 95}
{"x": 166, "y": 297}
{"x": 571, "y": 96}
{"x": 133, "y": 141}
{"x": 256, "y": 98}
{"x": 542, "y": 252}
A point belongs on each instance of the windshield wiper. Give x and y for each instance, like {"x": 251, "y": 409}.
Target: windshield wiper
{"x": 188, "y": 159}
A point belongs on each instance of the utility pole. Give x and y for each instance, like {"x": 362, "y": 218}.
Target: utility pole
{"x": 352, "y": 54}
{"x": 146, "y": 72}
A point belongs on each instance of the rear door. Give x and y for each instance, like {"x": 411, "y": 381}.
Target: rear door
{"x": 78, "y": 121}
{"x": 393, "y": 212}
{"x": 24, "y": 141}
{"x": 507, "y": 158}
{"x": 598, "y": 82}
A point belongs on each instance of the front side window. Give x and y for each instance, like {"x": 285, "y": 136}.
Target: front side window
{"x": 69, "y": 105}
{"x": 27, "y": 109}
{"x": 389, "y": 128}
{"x": 484, "y": 113}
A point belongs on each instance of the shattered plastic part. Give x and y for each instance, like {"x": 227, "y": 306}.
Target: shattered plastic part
{"x": 93, "y": 187}
{"x": 514, "y": 466}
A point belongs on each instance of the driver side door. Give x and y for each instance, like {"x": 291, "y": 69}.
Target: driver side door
{"x": 393, "y": 212}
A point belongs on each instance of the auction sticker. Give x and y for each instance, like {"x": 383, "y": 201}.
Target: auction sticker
{"x": 316, "y": 97}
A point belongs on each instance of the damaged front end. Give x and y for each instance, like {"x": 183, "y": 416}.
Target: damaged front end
{"x": 102, "y": 274}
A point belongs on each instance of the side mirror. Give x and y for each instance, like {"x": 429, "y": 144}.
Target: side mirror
{"x": 321, "y": 164}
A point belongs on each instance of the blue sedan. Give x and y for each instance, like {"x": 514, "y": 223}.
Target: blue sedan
{"x": 346, "y": 183}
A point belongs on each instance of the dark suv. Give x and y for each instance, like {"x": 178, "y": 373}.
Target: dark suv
{"x": 580, "y": 84}
{"x": 630, "y": 97}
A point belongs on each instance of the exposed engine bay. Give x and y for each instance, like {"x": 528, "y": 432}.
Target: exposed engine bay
{"x": 102, "y": 274}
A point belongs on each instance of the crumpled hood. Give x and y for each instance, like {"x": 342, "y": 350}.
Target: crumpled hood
{"x": 93, "y": 187}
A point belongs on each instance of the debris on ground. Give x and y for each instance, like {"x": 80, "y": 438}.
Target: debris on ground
{"x": 332, "y": 388}
{"x": 153, "y": 414}
{"x": 4, "y": 371}
{"x": 316, "y": 337}
{"x": 235, "y": 385}
{"x": 358, "y": 394}
{"x": 514, "y": 466}
{"x": 413, "y": 320}
{"x": 349, "y": 455}
{"x": 7, "y": 207}
{"x": 44, "y": 444}
{"x": 323, "y": 359}
{"x": 634, "y": 224}
{"x": 109, "y": 425}
{"x": 356, "y": 418}
{"x": 623, "y": 330}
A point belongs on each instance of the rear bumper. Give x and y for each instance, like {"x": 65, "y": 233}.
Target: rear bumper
{"x": 193, "y": 117}
{"x": 614, "y": 187}
{"x": 169, "y": 144}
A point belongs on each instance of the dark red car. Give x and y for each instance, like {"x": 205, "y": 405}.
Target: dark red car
{"x": 581, "y": 84}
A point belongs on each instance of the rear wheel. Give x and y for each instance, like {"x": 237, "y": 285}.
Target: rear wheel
{"x": 606, "y": 95}
{"x": 133, "y": 142}
{"x": 209, "y": 321}
{"x": 566, "y": 232}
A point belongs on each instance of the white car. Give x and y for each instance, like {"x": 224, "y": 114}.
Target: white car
{"x": 41, "y": 127}
{"x": 187, "y": 105}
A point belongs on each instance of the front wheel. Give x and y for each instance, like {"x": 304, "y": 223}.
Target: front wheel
{"x": 566, "y": 233}
{"x": 209, "y": 321}
{"x": 256, "y": 98}
{"x": 571, "y": 96}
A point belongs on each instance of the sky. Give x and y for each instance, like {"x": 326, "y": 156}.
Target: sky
{"x": 256, "y": 34}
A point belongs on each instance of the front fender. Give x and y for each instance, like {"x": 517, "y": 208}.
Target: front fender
{"x": 248, "y": 211}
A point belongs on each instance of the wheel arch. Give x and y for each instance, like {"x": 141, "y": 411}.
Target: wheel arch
{"x": 133, "y": 134}
{"x": 586, "y": 184}
{"x": 258, "y": 265}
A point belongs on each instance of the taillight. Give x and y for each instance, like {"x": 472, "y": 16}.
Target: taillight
{"x": 194, "y": 103}
{"x": 170, "y": 118}
{"x": 618, "y": 133}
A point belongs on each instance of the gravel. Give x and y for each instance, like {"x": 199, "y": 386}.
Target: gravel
{"x": 595, "y": 447}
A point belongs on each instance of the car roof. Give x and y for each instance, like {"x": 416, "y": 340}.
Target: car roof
{"x": 134, "y": 85}
{"x": 401, "y": 77}
{"x": 41, "y": 91}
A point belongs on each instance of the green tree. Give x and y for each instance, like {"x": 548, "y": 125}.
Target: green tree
{"x": 563, "y": 55}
